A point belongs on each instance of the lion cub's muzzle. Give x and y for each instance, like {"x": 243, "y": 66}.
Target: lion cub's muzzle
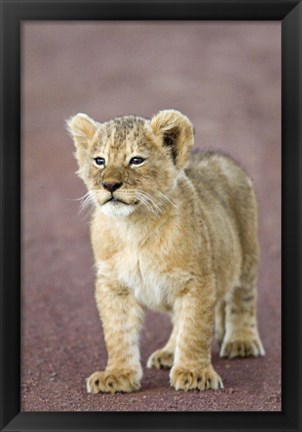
{"x": 112, "y": 187}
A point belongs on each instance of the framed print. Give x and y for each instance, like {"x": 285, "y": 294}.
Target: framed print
{"x": 128, "y": 88}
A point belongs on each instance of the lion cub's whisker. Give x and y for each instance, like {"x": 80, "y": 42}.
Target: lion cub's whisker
{"x": 143, "y": 199}
{"x": 167, "y": 199}
{"x": 147, "y": 199}
{"x": 78, "y": 199}
{"x": 86, "y": 201}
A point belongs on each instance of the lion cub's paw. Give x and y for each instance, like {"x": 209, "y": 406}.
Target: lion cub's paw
{"x": 200, "y": 379}
{"x": 161, "y": 359}
{"x": 112, "y": 382}
{"x": 242, "y": 346}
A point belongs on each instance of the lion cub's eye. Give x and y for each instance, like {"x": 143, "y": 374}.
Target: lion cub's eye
{"x": 136, "y": 160}
{"x": 99, "y": 161}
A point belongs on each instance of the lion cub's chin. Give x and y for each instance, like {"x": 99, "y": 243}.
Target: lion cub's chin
{"x": 115, "y": 208}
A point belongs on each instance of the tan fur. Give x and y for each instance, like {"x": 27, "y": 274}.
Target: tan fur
{"x": 183, "y": 240}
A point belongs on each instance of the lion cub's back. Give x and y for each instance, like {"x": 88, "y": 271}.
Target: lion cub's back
{"x": 226, "y": 195}
{"x": 228, "y": 204}
{"x": 218, "y": 177}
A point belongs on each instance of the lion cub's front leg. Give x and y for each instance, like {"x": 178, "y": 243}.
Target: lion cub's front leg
{"x": 121, "y": 316}
{"x": 192, "y": 364}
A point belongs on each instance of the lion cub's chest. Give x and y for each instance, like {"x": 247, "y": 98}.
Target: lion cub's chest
{"x": 144, "y": 275}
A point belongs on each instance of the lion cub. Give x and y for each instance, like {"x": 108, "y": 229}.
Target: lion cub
{"x": 171, "y": 235}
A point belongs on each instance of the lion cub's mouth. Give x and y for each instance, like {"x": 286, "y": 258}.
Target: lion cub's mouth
{"x": 115, "y": 206}
{"x": 115, "y": 200}
{"x": 118, "y": 200}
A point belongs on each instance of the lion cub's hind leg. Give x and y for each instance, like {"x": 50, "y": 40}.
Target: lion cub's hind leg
{"x": 164, "y": 357}
{"x": 241, "y": 333}
{"x": 241, "y": 337}
{"x": 220, "y": 322}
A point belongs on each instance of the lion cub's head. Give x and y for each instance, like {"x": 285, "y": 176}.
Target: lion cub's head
{"x": 130, "y": 163}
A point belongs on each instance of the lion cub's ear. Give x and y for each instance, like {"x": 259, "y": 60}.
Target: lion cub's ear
{"x": 82, "y": 129}
{"x": 176, "y": 132}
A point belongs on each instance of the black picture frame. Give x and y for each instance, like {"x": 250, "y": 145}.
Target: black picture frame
{"x": 289, "y": 12}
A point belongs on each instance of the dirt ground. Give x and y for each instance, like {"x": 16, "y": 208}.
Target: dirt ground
{"x": 226, "y": 77}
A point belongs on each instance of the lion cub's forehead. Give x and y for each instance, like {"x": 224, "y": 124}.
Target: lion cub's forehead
{"x": 124, "y": 134}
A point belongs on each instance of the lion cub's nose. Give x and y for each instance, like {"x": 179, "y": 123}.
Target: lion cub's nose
{"x": 111, "y": 187}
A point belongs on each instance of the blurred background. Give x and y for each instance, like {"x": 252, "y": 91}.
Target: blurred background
{"x": 225, "y": 76}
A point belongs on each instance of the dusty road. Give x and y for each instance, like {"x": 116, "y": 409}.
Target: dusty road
{"x": 226, "y": 78}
